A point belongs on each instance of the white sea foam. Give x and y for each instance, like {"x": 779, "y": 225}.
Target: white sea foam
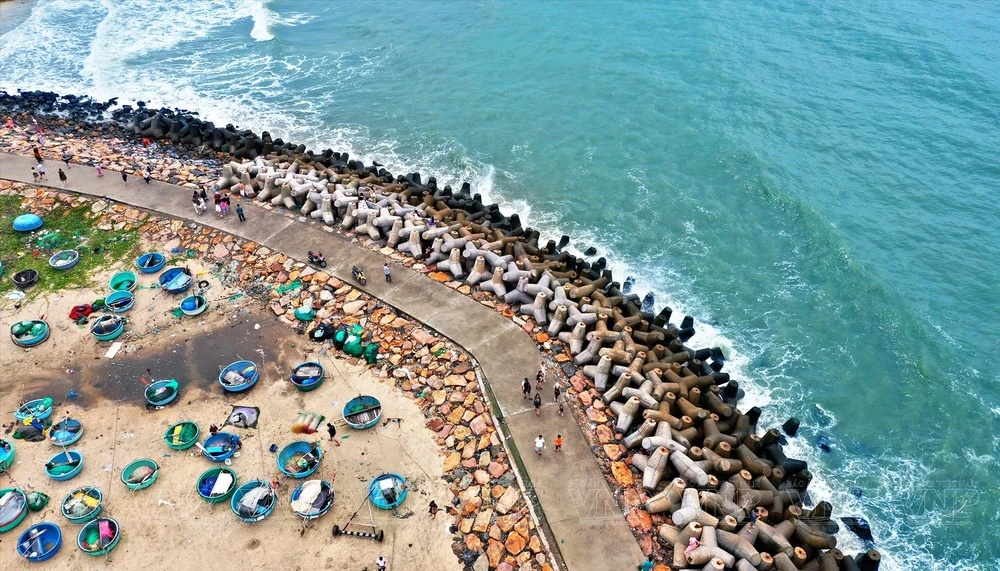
{"x": 263, "y": 20}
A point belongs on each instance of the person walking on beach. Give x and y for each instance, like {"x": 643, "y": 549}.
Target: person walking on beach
{"x": 559, "y": 442}
{"x": 41, "y": 172}
{"x": 62, "y": 178}
{"x": 37, "y": 153}
{"x": 146, "y": 176}
{"x": 556, "y": 391}
{"x": 125, "y": 178}
{"x": 381, "y": 563}
{"x": 538, "y": 404}
{"x": 330, "y": 428}
{"x": 526, "y": 388}
{"x": 387, "y": 272}
{"x": 539, "y": 444}
{"x": 433, "y": 509}
{"x": 239, "y": 212}
{"x": 99, "y": 168}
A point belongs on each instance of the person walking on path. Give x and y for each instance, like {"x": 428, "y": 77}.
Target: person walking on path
{"x": 62, "y": 178}
{"x": 556, "y": 391}
{"x": 559, "y": 442}
{"x": 125, "y": 178}
{"x": 41, "y": 172}
{"x": 203, "y": 195}
{"x": 381, "y": 563}
{"x": 330, "y": 428}
{"x": 562, "y": 411}
{"x": 539, "y": 444}
{"x": 538, "y": 404}
{"x": 66, "y": 158}
{"x": 387, "y": 272}
{"x": 433, "y": 509}
{"x": 239, "y": 212}
{"x": 99, "y": 168}
{"x": 146, "y": 176}
{"x": 34, "y": 173}
{"x": 526, "y": 388}
{"x": 224, "y": 203}
{"x": 197, "y": 204}
{"x": 37, "y": 153}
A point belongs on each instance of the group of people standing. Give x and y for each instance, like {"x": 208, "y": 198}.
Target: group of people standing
{"x": 222, "y": 204}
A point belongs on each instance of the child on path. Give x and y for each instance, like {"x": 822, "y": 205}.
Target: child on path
{"x": 561, "y": 410}
{"x": 37, "y": 153}
{"x": 41, "y": 172}
{"x": 556, "y": 391}
{"x": 34, "y": 173}
{"x": 224, "y": 203}
{"x": 125, "y": 178}
{"x": 387, "y": 272}
{"x": 559, "y": 442}
{"x": 239, "y": 212}
{"x": 62, "y": 178}
{"x": 218, "y": 209}
{"x": 539, "y": 444}
{"x": 197, "y": 204}
{"x": 526, "y": 388}
{"x": 538, "y": 404}
{"x": 146, "y": 176}
{"x": 99, "y": 168}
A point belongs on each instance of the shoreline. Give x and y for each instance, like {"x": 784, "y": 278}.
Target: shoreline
{"x": 617, "y": 338}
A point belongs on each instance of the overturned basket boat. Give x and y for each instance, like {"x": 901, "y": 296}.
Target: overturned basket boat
{"x": 387, "y": 491}
{"x": 175, "y": 280}
{"x": 25, "y": 278}
{"x": 182, "y": 435}
{"x": 40, "y": 542}
{"x": 239, "y": 376}
{"x": 151, "y": 262}
{"x": 65, "y": 432}
{"x": 308, "y": 376}
{"x": 362, "y": 412}
{"x": 38, "y": 408}
{"x": 64, "y": 465}
{"x": 6, "y": 454}
{"x": 64, "y": 260}
{"x": 312, "y": 499}
{"x": 140, "y": 474}
{"x": 194, "y": 304}
{"x": 253, "y": 501}
{"x": 29, "y": 333}
{"x": 13, "y": 508}
{"x": 82, "y": 504}
{"x": 220, "y": 446}
{"x": 215, "y": 485}
{"x": 162, "y": 392}
{"x": 108, "y": 327}
{"x": 123, "y": 281}
{"x": 119, "y": 301}
{"x": 99, "y": 536}
{"x": 299, "y": 459}
{"x": 27, "y": 222}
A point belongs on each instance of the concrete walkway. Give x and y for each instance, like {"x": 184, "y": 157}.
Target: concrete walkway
{"x": 574, "y": 499}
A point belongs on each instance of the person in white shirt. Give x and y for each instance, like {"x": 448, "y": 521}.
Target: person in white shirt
{"x": 381, "y": 563}
{"x": 539, "y": 444}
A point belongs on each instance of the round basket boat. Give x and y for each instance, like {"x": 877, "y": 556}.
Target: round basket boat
{"x": 99, "y": 536}
{"x": 65, "y": 432}
{"x": 108, "y": 327}
{"x": 194, "y": 304}
{"x": 220, "y": 446}
{"x": 308, "y": 376}
{"x": 215, "y": 485}
{"x": 29, "y": 333}
{"x": 387, "y": 491}
{"x": 239, "y": 376}
{"x": 82, "y": 504}
{"x": 312, "y": 499}
{"x": 140, "y": 474}
{"x": 362, "y": 412}
{"x": 175, "y": 280}
{"x": 13, "y": 508}
{"x": 64, "y": 260}
{"x": 123, "y": 281}
{"x": 119, "y": 301}
{"x": 64, "y": 465}
{"x": 162, "y": 392}
{"x": 27, "y": 222}
{"x": 299, "y": 459}
{"x": 6, "y": 454}
{"x": 182, "y": 435}
{"x": 40, "y": 542}
{"x": 25, "y": 278}
{"x": 151, "y": 262}
{"x": 253, "y": 501}
{"x": 38, "y": 408}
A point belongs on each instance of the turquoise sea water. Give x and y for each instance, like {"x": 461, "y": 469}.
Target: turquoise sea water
{"x": 816, "y": 183}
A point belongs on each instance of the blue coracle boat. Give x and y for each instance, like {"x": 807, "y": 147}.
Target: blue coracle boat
{"x": 299, "y": 459}
{"x": 220, "y": 446}
{"x": 239, "y": 376}
{"x": 253, "y": 501}
{"x": 175, "y": 280}
{"x": 39, "y": 542}
{"x": 151, "y": 262}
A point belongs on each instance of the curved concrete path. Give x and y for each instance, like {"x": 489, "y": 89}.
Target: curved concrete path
{"x": 574, "y": 498}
